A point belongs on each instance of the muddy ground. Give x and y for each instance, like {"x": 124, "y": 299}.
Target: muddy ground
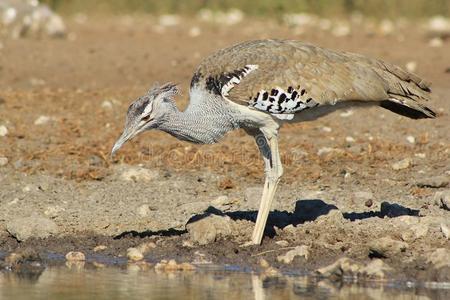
{"x": 63, "y": 103}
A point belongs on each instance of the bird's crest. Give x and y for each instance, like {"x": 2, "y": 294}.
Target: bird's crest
{"x": 167, "y": 90}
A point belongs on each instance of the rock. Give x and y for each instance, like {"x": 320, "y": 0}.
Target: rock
{"x": 414, "y": 232}
{"x": 411, "y": 139}
{"x": 334, "y": 217}
{"x": 368, "y": 203}
{"x": 288, "y": 257}
{"x": 395, "y": 210}
{"x": 134, "y": 254}
{"x": 442, "y": 199}
{"x": 434, "y": 182}
{"x": 38, "y": 227}
{"x": 138, "y": 174}
{"x": 445, "y": 230}
{"x": 3, "y": 130}
{"x": 264, "y": 263}
{"x": 169, "y": 20}
{"x": 75, "y": 256}
{"x": 209, "y": 229}
{"x": 107, "y": 105}
{"x": 345, "y": 267}
{"x": 350, "y": 139}
{"x": 439, "y": 258}
{"x": 347, "y": 113}
{"x": 386, "y": 247}
{"x": 401, "y": 165}
{"x": 143, "y": 210}
{"x": 100, "y": 248}
{"x": 42, "y": 120}
{"x": 411, "y": 66}
{"x": 3, "y": 161}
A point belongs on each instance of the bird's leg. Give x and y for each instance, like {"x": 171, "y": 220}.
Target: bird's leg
{"x": 273, "y": 174}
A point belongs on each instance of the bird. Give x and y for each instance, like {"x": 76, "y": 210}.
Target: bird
{"x": 260, "y": 85}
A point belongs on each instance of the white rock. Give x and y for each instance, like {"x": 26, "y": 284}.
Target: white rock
{"x": 42, "y": 120}
{"x": 169, "y": 20}
{"x": 420, "y": 155}
{"x": 289, "y": 256}
{"x": 326, "y": 129}
{"x": 3, "y": 161}
{"x": 411, "y": 66}
{"x": 346, "y": 113}
{"x": 3, "y": 130}
{"x": 107, "y": 104}
{"x": 411, "y": 139}
{"x": 55, "y": 27}
{"x": 349, "y": 139}
{"x": 143, "y": 210}
{"x": 403, "y": 164}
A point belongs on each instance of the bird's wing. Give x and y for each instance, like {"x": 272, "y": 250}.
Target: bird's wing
{"x": 284, "y": 77}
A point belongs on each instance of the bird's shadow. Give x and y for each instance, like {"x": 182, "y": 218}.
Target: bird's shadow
{"x": 305, "y": 211}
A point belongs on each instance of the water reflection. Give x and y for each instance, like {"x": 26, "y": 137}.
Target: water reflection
{"x": 77, "y": 281}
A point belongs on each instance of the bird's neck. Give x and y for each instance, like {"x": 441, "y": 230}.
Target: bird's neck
{"x": 205, "y": 120}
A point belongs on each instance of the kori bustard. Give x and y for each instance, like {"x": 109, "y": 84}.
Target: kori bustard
{"x": 259, "y": 85}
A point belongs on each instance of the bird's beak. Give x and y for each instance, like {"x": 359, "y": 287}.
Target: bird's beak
{"x": 120, "y": 141}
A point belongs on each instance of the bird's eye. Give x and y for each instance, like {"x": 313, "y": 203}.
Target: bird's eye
{"x": 146, "y": 118}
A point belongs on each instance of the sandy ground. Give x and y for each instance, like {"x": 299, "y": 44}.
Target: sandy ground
{"x": 63, "y": 102}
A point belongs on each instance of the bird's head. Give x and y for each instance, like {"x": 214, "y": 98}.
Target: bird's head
{"x": 147, "y": 112}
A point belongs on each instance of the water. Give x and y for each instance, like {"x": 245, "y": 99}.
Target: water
{"x": 142, "y": 282}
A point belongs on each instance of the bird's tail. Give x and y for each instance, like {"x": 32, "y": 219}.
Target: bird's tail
{"x": 407, "y": 93}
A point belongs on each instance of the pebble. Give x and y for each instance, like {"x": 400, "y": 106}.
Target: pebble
{"x": 107, "y": 105}
{"x": 411, "y": 66}
{"x": 288, "y": 257}
{"x": 169, "y": 20}
{"x": 349, "y": 139}
{"x": 3, "y": 130}
{"x": 42, "y": 120}
{"x": 143, "y": 210}
{"x": 411, "y": 139}
{"x": 326, "y": 129}
{"x": 3, "y": 161}
{"x": 221, "y": 202}
{"x": 401, "y": 165}
{"x": 99, "y": 248}
{"x": 27, "y": 227}
{"x": 347, "y": 113}
{"x": 387, "y": 247}
{"x": 264, "y": 263}
{"x": 75, "y": 256}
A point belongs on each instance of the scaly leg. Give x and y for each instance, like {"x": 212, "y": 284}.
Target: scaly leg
{"x": 273, "y": 175}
